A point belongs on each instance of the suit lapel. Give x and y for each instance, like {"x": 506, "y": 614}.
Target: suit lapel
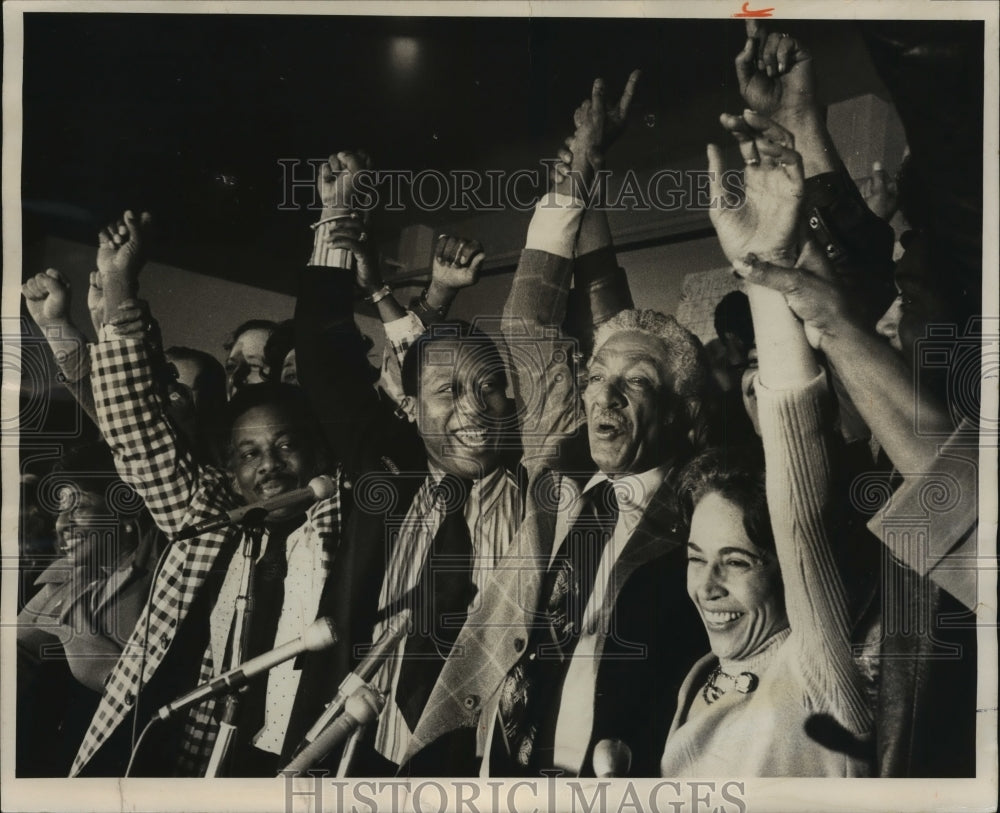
{"x": 658, "y": 533}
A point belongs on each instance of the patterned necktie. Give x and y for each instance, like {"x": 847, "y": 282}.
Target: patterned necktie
{"x": 528, "y": 707}
{"x": 268, "y": 598}
{"x": 441, "y": 601}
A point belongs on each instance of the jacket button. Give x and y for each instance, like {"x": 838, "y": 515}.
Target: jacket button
{"x": 129, "y": 698}
{"x": 471, "y": 701}
{"x": 831, "y": 249}
{"x": 519, "y": 644}
{"x": 164, "y": 641}
{"x": 814, "y": 222}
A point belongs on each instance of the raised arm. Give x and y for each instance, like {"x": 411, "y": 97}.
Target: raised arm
{"x": 455, "y": 265}
{"x": 600, "y": 287}
{"x": 875, "y": 375}
{"x": 331, "y": 354}
{"x": 47, "y": 297}
{"x": 121, "y": 253}
{"x": 777, "y": 79}
{"x": 791, "y": 399}
{"x": 150, "y": 453}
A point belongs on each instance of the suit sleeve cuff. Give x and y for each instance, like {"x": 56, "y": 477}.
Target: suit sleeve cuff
{"x": 323, "y": 254}
{"x": 555, "y": 224}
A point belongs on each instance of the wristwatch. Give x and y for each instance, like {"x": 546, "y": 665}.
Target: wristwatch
{"x": 377, "y": 296}
{"x": 426, "y": 312}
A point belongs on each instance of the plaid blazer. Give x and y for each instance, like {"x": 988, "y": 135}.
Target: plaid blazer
{"x": 178, "y": 492}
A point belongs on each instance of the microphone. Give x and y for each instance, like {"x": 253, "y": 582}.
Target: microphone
{"x": 612, "y": 758}
{"x": 381, "y": 649}
{"x": 361, "y": 708}
{"x": 319, "y": 488}
{"x": 320, "y": 634}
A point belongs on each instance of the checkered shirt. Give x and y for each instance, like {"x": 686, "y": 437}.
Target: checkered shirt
{"x": 178, "y": 492}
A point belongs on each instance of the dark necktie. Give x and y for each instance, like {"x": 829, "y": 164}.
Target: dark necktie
{"x": 529, "y": 696}
{"x": 268, "y": 598}
{"x": 440, "y": 601}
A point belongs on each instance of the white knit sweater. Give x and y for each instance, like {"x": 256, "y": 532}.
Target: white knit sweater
{"x": 806, "y": 671}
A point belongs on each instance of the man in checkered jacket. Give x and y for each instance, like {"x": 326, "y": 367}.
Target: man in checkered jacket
{"x": 184, "y": 633}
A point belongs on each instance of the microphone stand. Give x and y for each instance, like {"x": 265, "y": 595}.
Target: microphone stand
{"x": 346, "y": 758}
{"x": 253, "y": 535}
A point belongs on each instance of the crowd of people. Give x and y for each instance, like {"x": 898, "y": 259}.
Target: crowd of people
{"x": 584, "y": 543}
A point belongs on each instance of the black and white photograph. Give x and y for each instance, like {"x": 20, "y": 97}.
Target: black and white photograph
{"x": 499, "y": 406}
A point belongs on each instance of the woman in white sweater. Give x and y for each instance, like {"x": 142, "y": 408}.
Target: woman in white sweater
{"x": 779, "y": 694}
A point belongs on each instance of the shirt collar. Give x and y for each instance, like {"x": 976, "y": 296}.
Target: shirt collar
{"x": 634, "y": 492}
{"x": 484, "y": 492}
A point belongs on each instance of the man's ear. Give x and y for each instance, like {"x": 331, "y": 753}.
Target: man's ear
{"x": 407, "y": 409}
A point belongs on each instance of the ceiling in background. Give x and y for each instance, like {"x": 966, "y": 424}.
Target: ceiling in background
{"x": 188, "y": 116}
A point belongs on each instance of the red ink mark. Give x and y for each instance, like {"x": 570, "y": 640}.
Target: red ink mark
{"x": 758, "y": 12}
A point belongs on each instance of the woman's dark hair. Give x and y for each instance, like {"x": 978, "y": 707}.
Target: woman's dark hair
{"x": 732, "y": 315}
{"x": 737, "y": 475}
{"x": 212, "y": 378}
{"x": 476, "y": 343}
{"x": 250, "y": 324}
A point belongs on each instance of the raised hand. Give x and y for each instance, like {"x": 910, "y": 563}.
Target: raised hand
{"x": 132, "y": 318}
{"x": 47, "y": 298}
{"x": 766, "y": 224}
{"x": 562, "y": 166}
{"x": 775, "y": 74}
{"x": 121, "y": 254}
{"x": 598, "y": 125}
{"x": 336, "y": 181}
{"x": 121, "y": 246}
{"x": 456, "y": 262}
{"x": 811, "y": 291}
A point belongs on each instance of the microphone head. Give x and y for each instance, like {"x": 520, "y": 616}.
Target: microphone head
{"x": 322, "y": 487}
{"x": 320, "y": 634}
{"x": 612, "y": 758}
{"x": 364, "y": 705}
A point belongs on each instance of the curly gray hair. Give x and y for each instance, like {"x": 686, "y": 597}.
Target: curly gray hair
{"x": 689, "y": 377}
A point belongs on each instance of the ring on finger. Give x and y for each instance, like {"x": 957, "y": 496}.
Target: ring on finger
{"x": 752, "y": 162}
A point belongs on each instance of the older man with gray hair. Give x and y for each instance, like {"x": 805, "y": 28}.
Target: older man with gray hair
{"x": 573, "y": 659}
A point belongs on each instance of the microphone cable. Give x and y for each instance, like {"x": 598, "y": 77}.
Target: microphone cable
{"x": 135, "y": 748}
{"x": 161, "y": 560}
